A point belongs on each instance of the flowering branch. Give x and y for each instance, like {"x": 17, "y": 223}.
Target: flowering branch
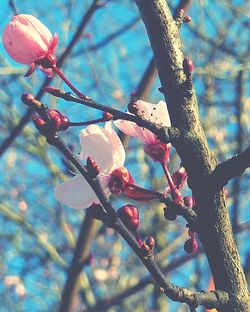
{"x": 209, "y": 299}
{"x": 165, "y": 134}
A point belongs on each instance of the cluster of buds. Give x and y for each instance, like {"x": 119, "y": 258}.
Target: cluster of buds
{"x": 55, "y": 122}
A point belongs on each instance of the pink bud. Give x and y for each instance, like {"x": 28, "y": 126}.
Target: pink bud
{"x": 130, "y": 216}
{"x": 132, "y": 108}
{"x": 92, "y": 167}
{"x": 188, "y": 201}
{"x": 55, "y": 119}
{"x": 108, "y": 115}
{"x": 187, "y": 19}
{"x": 188, "y": 66}
{"x": 150, "y": 242}
{"x": 176, "y": 195}
{"x": 27, "y": 40}
{"x": 191, "y": 245}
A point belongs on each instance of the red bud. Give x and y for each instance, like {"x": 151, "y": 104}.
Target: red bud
{"x": 188, "y": 66}
{"x": 92, "y": 167}
{"x": 129, "y": 214}
{"x": 188, "y": 201}
{"x": 191, "y": 246}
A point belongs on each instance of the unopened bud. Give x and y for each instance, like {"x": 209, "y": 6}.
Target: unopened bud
{"x": 41, "y": 125}
{"x": 129, "y": 214}
{"x": 188, "y": 66}
{"x": 188, "y": 201}
{"x": 108, "y": 116}
{"x": 150, "y": 242}
{"x": 92, "y": 167}
{"x": 55, "y": 119}
{"x": 176, "y": 195}
{"x": 132, "y": 108}
{"x": 187, "y": 19}
{"x": 169, "y": 214}
{"x": 191, "y": 246}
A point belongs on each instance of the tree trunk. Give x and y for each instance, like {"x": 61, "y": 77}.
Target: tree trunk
{"x": 214, "y": 228}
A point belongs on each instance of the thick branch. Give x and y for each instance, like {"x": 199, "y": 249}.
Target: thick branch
{"x": 215, "y": 230}
{"x": 228, "y": 170}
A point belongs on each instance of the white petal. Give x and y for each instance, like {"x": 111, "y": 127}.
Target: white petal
{"x": 104, "y": 146}
{"x": 76, "y": 193}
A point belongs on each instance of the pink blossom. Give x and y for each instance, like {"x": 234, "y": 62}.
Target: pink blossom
{"x": 105, "y": 147}
{"x": 29, "y": 41}
{"x": 156, "y": 113}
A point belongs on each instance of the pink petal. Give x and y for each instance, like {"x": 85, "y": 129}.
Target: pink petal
{"x": 26, "y": 39}
{"x": 77, "y": 193}
{"x": 156, "y": 113}
{"x": 104, "y": 146}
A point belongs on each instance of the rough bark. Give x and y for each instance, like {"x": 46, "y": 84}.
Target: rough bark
{"x": 214, "y": 228}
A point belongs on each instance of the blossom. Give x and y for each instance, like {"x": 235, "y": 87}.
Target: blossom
{"x": 105, "y": 147}
{"x": 156, "y": 113}
{"x": 28, "y": 41}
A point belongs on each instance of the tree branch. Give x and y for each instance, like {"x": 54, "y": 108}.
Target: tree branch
{"x": 228, "y": 170}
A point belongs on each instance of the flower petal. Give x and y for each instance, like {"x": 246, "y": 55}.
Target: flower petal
{"x": 156, "y": 113}
{"x": 104, "y": 146}
{"x": 77, "y": 193}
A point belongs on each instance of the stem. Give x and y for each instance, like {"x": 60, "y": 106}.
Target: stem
{"x": 65, "y": 79}
{"x": 136, "y": 187}
{"x": 168, "y": 176}
{"x": 90, "y": 122}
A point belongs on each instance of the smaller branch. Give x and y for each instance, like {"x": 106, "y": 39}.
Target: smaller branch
{"x": 165, "y": 134}
{"x": 227, "y": 170}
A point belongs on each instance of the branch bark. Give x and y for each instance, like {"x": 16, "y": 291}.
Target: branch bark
{"x": 215, "y": 230}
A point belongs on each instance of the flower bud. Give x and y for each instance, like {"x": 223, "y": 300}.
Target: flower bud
{"x": 188, "y": 201}
{"x": 191, "y": 246}
{"x": 169, "y": 214}
{"x": 176, "y": 195}
{"x": 188, "y": 66}
{"x": 55, "y": 119}
{"x": 29, "y": 41}
{"x": 150, "y": 242}
{"x": 118, "y": 180}
{"x": 187, "y": 19}
{"x": 41, "y": 125}
{"x": 92, "y": 167}
{"x": 108, "y": 116}
{"x": 129, "y": 214}
{"x": 132, "y": 108}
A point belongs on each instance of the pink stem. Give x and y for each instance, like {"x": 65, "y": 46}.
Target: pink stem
{"x": 168, "y": 176}
{"x": 65, "y": 79}
{"x": 136, "y": 187}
